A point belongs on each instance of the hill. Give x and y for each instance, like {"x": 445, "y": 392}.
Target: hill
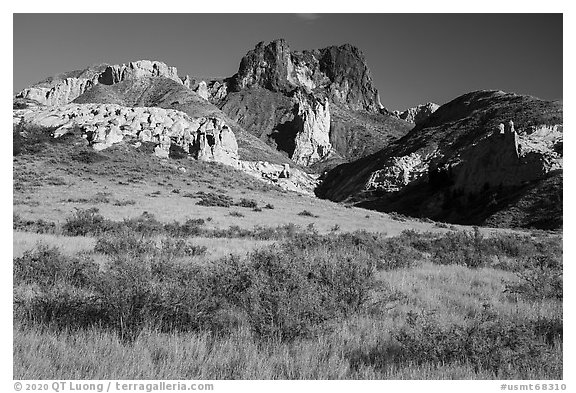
{"x": 466, "y": 149}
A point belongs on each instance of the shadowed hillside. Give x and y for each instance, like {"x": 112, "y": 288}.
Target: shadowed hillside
{"x": 448, "y": 165}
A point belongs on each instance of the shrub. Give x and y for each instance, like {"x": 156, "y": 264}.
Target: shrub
{"x": 269, "y": 206}
{"x": 306, "y": 213}
{"x": 283, "y": 292}
{"x": 288, "y": 294}
{"x": 249, "y": 203}
{"x": 213, "y": 199}
{"x": 87, "y": 222}
{"x": 126, "y": 202}
{"x": 145, "y": 224}
{"x": 88, "y": 157}
{"x": 46, "y": 266}
{"x": 488, "y": 343}
{"x": 125, "y": 243}
{"x": 191, "y": 227}
{"x": 540, "y": 277}
{"x": 37, "y": 226}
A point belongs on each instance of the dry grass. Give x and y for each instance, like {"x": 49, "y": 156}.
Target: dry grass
{"x": 452, "y": 292}
{"x": 70, "y": 245}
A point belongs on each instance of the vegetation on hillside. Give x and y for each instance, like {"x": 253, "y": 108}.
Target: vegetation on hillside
{"x": 308, "y": 306}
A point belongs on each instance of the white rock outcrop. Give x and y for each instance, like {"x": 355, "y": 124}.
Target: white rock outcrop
{"x": 64, "y": 91}
{"x": 61, "y": 93}
{"x": 417, "y": 114}
{"x": 207, "y": 139}
{"x": 312, "y": 121}
{"x": 398, "y": 172}
{"x": 138, "y": 69}
{"x": 290, "y": 179}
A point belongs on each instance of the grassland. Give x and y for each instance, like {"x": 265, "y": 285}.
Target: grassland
{"x": 117, "y": 276}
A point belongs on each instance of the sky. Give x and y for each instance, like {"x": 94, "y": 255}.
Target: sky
{"x": 413, "y": 58}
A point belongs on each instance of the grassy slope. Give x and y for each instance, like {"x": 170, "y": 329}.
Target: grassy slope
{"x": 50, "y": 183}
{"x": 356, "y": 134}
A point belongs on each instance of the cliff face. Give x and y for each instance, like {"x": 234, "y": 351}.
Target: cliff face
{"x": 340, "y": 72}
{"x": 137, "y": 69}
{"x": 63, "y": 90}
{"x": 312, "y": 122}
{"x": 60, "y": 93}
{"x": 481, "y": 145}
{"x": 263, "y": 97}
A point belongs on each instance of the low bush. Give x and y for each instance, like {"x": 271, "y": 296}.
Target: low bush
{"x": 540, "y": 277}
{"x": 37, "y": 226}
{"x": 213, "y": 199}
{"x": 282, "y": 293}
{"x": 45, "y": 266}
{"x": 88, "y": 222}
{"x": 306, "y": 213}
{"x": 487, "y": 342}
{"x": 249, "y": 203}
{"x": 191, "y": 227}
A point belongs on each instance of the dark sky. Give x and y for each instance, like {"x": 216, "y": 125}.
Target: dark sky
{"x": 413, "y": 58}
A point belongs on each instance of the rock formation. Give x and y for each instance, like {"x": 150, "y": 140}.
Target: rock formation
{"x": 312, "y": 124}
{"x": 60, "y": 93}
{"x": 207, "y": 139}
{"x": 137, "y": 69}
{"x": 417, "y": 114}
{"x": 63, "y": 91}
{"x": 287, "y": 178}
{"x": 263, "y": 98}
{"x": 340, "y": 72}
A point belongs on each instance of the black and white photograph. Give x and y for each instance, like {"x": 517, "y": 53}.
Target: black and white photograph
{"x": 287, "y": 196}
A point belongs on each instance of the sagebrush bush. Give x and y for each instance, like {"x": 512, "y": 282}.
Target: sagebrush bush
{"x": 213, "y": 199}
{"x": 540, "y": 277}
{"x": 37, "y": 226}
{"x": 249, "y": 203}
{"x": 306, "y": 213}
{"x": 88, "y": 222}
{"x": 45, "y": 266}
{"x": 287, "y": 292}
{"x": 488, "y": 342}
{"x": 284, "y": 292}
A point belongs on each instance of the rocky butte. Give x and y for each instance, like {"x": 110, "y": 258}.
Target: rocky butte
{"x": 318, "y": 107}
